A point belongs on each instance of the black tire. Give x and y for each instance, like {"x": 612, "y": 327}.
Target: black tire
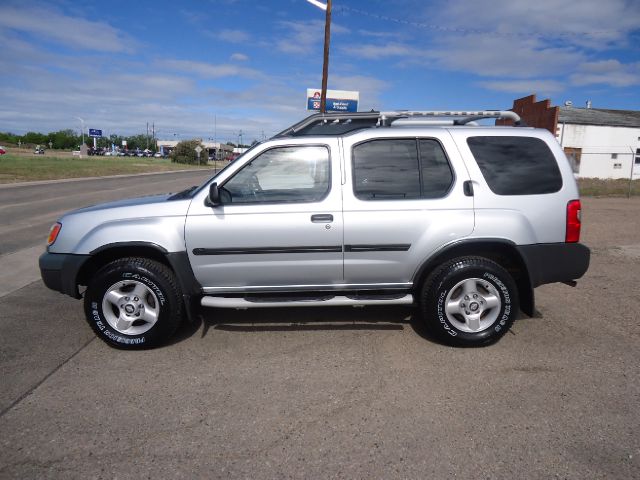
{"x": 476, "y": 321}
{"x": 152, "y": 317}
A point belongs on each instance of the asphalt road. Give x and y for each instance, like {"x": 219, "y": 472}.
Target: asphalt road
{"x": 329, "y": 393}
{"x": 27, "y": 212}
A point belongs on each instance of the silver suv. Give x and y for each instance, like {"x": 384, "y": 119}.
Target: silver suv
{"x": 379, "y": 208}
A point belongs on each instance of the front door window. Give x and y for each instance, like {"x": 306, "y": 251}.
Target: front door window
{"x": 298, "y": 174}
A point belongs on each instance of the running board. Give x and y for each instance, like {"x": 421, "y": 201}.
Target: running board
{"x": 338, "y": 301}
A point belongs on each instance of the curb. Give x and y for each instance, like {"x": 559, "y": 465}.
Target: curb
{"x": 81, "y": 179}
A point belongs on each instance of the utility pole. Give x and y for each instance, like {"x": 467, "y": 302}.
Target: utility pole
{"x": 147, "y": 135}
{"x": 325, "y": 63}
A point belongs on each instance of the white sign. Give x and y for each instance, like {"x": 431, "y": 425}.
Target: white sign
{"x": 337, "y": 100}
{"x": 124, "y": 143}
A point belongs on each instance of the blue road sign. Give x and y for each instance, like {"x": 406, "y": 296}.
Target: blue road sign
{"x": 333, "y": 105}
{"x": 94, "y": 132}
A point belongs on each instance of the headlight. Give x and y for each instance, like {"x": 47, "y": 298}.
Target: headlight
{"x": 53, "y": 233}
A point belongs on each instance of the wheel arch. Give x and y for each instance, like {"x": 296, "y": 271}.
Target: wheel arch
{"x": 503, "y": 252}
{"x": 178, "y": 262}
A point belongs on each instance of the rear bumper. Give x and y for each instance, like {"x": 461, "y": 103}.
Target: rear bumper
{"x": 555, "y": 262}
{"x": 59, "y": 271}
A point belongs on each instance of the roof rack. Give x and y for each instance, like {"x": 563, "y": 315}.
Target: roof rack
{"x": 340, "y": 123}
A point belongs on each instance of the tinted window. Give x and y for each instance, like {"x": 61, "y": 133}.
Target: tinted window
{"x": 285, "y": 174}
{"x": 516, "y": 165}
{"x": 386, "y": 169}
{"x": 436, "y": 172}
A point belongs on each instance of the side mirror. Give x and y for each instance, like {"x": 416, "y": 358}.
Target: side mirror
{"x": 213, "y": 200}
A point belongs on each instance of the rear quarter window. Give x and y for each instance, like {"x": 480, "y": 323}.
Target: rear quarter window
{"x": 516, "y": 165}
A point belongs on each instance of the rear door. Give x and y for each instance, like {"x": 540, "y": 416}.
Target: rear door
{"x": 403, "y": 200}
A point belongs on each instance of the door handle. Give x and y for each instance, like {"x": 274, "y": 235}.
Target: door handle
{"x": 322, "y": 218}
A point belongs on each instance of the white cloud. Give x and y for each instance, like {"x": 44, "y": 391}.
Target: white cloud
{"x": 575, "y": 22}
{"x": 533, "y": 45}
{"x": 370, "y": 88}
{"x": 239, "y": 57}
{"x": 607, "y": 72}
{"x": 377, "y": 52}
{"x": 303, "y": 37}
{"x": 233, "y": 36}
{"x": 525, "y": 87}
{"x": 75, "y": 32}
{"x": 208, "y": 70}
{"x": 496, "y": 57}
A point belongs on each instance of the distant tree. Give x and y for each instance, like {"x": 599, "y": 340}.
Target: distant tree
{"x": 139, "y": 141}
{"x": 34, "y": 138}
{"x": 64, "y": 139}
{"x": 10, "y": 138}
{"x": 185, "y": 152}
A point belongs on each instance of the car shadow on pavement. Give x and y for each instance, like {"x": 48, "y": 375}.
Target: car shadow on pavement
{"x": 303, "y": 319}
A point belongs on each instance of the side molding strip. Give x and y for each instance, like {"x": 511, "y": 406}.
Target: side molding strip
{"x": 265, "y": 250}
{"x": 392, "y": 247}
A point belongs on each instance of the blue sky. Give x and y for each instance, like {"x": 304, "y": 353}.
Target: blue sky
{"x": 245, "y": 65}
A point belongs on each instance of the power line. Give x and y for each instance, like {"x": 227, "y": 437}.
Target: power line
{"x": 442, "y": 28}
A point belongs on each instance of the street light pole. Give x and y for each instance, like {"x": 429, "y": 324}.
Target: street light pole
{"x": 82, "y": 121}
{"x": 325, "y": 62}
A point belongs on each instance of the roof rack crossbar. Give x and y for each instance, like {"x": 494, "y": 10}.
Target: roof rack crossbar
{"x": 384, "y": 119}
{"x": 464, "y": 115}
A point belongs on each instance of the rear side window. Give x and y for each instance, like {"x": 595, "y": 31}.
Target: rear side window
{"x": 516, "y": 165}
{"x": 406, "y": 168}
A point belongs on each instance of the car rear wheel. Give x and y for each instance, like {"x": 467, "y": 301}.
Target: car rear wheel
{"x": 469, "y": 301}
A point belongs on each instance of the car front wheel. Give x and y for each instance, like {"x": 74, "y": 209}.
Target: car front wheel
{"x": 133, "y": 303}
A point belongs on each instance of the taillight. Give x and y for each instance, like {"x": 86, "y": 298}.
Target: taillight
{"x": 573, "y": 221}
{"x": 53, "y": 233}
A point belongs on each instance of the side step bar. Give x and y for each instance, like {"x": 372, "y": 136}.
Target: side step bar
{"x": 338, "y": 301}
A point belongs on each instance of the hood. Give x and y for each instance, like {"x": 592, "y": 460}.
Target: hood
{"x": 129, "y": 202}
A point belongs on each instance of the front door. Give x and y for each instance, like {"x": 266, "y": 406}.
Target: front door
{"x": 280, "y": 224}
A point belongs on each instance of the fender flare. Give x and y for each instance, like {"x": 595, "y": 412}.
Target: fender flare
{"x": 502, "y": 251}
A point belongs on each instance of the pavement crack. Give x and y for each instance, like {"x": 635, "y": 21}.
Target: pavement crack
{"x": 46, "y": 377}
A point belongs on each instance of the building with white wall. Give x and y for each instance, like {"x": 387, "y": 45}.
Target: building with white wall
{"x": 600, "y": 143}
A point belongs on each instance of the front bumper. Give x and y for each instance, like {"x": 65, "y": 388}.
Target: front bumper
{"x": 59, "y": 271}
{"x": 555, "y": 262}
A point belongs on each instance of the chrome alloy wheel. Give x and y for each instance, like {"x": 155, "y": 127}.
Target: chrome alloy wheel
{"x": 473, "y": 305}
{"x": 130, "y": 307}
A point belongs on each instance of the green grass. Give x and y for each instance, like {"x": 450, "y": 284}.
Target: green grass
{"x": 596, "y": 187}
{"x": 15, "y": 168}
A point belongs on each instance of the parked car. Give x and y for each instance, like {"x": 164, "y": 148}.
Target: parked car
{"x": 2, "y": 150}
{"x": 38, "y": 151}
{"x": 376, "y": 208}
{"x": 157, "y": 155}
